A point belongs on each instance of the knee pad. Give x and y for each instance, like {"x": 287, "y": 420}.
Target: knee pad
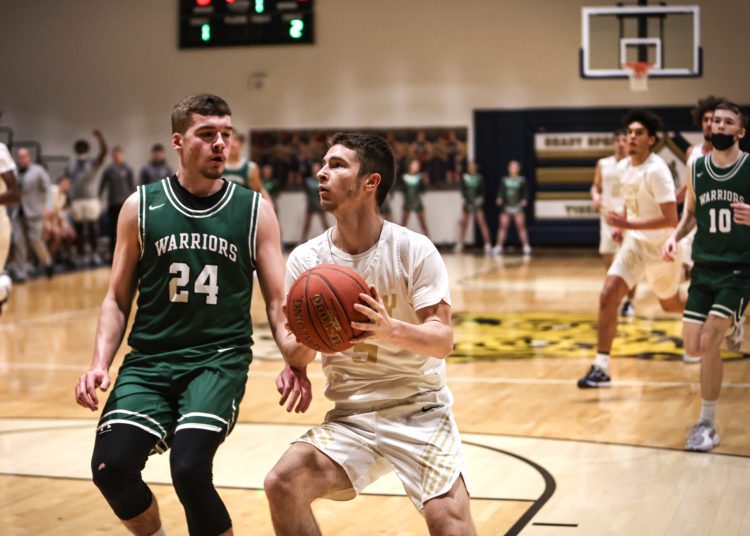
{"x": 191, "y": 463}
{"x": 119, "y": 457}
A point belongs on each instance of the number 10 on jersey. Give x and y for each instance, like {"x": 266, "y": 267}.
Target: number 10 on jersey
{"x": 207, "y": 283}
{"x": 725, "y": 220}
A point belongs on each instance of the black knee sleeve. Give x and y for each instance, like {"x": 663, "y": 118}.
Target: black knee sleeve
{"x": 191, "y": 462}
{"x": 119, "y": 457}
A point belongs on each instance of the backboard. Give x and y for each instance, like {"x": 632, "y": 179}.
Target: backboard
{"x": 668, "y": 37}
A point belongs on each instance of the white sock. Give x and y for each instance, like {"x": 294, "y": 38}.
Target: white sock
{"x": 708, "y": 411}
{"x": 602, "y": 361}
{"x": 160, "y": 532}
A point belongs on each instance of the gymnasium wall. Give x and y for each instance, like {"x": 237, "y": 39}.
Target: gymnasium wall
{"x": 68, "y": 67}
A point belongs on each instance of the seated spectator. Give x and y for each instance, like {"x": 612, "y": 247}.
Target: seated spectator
{"x": 57, "y": 231}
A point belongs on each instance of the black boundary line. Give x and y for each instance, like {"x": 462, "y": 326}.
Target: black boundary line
{"x": 549, "y": 488}
{"x": 492, "y": 434}
{"x": 540, "y": 524}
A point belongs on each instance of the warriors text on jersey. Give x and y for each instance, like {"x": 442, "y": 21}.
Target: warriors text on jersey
{"x": 409, "y": 274}
{"x": 195, "y": 271}
{"x": 719, "y": 239}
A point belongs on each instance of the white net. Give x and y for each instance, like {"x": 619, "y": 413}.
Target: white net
{"x": 638, "y": 74}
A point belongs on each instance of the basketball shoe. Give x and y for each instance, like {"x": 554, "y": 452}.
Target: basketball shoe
{"x": 595, "y": 377}
{"x": 702, "y": 438}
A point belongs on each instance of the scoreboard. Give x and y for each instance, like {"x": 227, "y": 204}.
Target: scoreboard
{"x": 218, "y": 23}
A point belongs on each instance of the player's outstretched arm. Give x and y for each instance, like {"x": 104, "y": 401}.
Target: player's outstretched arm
{"x": 113, "y": 317}
{"x": 433, "y": 336}
{"x": 271, "y": 272}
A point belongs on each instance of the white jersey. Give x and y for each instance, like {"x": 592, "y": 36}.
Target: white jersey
{"x": 644, "y": 188}
{"x": 409, "y": 274}
{"x": 6, "y": 164}
{"x": 611, "y": 189}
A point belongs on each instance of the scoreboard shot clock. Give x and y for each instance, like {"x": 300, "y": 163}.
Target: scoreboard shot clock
{"x": 219, "y": 23}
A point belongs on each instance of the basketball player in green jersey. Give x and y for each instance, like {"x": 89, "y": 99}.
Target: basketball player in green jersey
{"x": 312, "y": 196}
{"x": 190, "y": 244}
{"x": 511, "y": 198}
{"x": 414, "y": 182}
{"x": 241, "y": 170}
{"x": 717, "y": 202}
{"x": 472, "y": 193}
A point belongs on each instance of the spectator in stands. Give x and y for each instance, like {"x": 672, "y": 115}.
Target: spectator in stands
{"x": 85, "y": 205}
{"x": 58, "y": 233}
{"x": 312, "y": 194}
{"x": 271, "y": 183}
{"x": 157, "y": 168}
{"x": 118, "y": 182}
{"x": 27, "y": 217}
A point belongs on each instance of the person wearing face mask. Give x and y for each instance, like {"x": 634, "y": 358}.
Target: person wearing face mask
{"x": 84, "y": 195}
{"x": 717, "y": 204}
{"x": 702, "y": 115}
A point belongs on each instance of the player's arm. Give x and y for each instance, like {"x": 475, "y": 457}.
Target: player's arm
{"x": 292, "y": 383}
{"x": 687, "y": 222}
{"x": 115, "y": 311}
{"x": 12, "y": 193}
{"x": 433, "y": 336}
{"x": 668, "y": 218}
{"x": 270, "y": 265}
{"x": 103, "y": 148}
{"x": 596, "y": 187}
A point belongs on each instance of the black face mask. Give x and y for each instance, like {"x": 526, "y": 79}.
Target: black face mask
{"x": 722, "y": 142}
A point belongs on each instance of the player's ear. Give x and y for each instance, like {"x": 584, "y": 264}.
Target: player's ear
{"x": 177, "y": 140}
{"x": 372, "y": 182}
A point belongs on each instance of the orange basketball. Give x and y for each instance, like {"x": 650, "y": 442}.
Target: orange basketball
{"x": 320, "y": 307}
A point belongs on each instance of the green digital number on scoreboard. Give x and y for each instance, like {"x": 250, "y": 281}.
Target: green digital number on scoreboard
{"x": 218, "y": 23}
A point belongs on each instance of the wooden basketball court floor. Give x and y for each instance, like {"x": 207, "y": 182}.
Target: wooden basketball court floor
{"x": 545, "y": 458}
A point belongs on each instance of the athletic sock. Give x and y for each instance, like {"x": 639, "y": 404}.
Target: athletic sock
{"x": 160, "y": 532}
{"x": 602, "y": 361}
{"x": 708, "y": 411}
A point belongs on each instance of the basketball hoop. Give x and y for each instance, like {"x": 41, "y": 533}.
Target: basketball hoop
{"x": 638, "y": 74}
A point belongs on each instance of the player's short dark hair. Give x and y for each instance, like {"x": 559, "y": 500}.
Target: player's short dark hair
{"x": 375, "y": 156}
{"x": 157, "y": 147}
{"x": 650, "y": 120}
{"x": 81, "y": 147}
{"x": 732, "y": 107}
{"x": 706, "y": 104}
{"x": 203, "y": 104}
{"x": 620, "y": 132}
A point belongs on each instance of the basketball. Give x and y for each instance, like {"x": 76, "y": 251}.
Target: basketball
{"x": 320, "y": 307}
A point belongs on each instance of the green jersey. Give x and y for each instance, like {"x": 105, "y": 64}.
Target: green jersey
{"x": 238, "y": 174}
{"x": 195, "y": 274}
{"x": 472, "y": 187}
{"x": 719, "y": 240}
{"x": 512, "y": 191}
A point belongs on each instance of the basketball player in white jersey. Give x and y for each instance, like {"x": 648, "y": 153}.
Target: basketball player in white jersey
{"x": 606, "y": 195}
{"x": 648, "y": 218}
{"x": 392, "y": 405}
{"x": 9, "y": 194}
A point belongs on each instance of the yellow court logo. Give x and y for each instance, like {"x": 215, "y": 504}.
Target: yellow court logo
{"x": 571, "y": 335}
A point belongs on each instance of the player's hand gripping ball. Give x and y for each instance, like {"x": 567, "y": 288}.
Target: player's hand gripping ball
{"x": 320, "y": 307}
